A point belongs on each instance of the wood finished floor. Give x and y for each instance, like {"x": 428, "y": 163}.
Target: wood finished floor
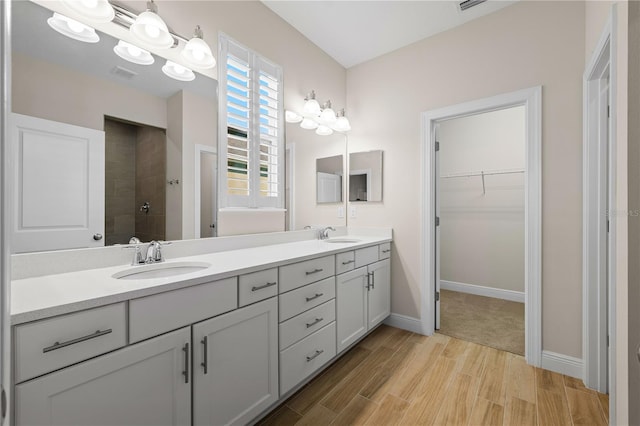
{"x": 395, "y": 377}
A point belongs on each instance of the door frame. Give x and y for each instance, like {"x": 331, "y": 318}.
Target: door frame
{"x": 197, "y": 201}
{"x": 531, "y": 99}
{"x": 598, "y": 198}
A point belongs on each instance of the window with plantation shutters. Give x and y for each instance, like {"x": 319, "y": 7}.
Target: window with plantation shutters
{"x": 251, "y": 128}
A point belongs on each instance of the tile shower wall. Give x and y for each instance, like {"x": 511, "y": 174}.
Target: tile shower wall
{"x": 151, "y": 166}
{"x": 135, "y": 169}
{"x": 120, "y": 202}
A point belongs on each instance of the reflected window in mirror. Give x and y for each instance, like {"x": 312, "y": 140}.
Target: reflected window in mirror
{"x": 329, "y": 174}
{"x": 251, "y": 140}
{"x": 365, "y": 176}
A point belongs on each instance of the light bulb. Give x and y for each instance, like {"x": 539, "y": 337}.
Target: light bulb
{"x": 91, "y": 4}
{"x": 342, "y": 124}
{"x": 76, "y": 26}
{"x": 131, "y": 53}
{"x": 292, "y": 117}
{"x": 98, "y": 11}
{"x": 73, "y": 29}
{"x": 308, "y": 124}
{"x": 177, "y": 71}
{"x": 197, "y": 53}
{"x": 151, "y": 30}
{"x": 324, "y": 130}
{"x": 328, "y": 115}
{"x": 311, "y": 107}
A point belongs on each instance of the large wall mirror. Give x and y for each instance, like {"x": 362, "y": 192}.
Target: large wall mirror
{"x": 158, "y": 132}
{"x": 365, "y": 176}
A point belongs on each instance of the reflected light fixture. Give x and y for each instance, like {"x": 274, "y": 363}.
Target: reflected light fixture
{"x": 131, "y": 53}
{"x": 151, "y": 30}
{"x": 98, "y": 11}
{"x": 323, "y": 130}
{"x": 72, "y": 28}
{"x": 323, "y": 119}
{"x": 197, "y": 52}
{"x": 177, "y": 71}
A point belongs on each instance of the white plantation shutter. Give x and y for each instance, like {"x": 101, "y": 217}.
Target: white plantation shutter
{"x": 251, "y": 128}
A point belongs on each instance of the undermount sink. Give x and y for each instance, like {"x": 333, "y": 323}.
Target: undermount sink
{"x": 342, "y": 240}
{"x": 160, "y": 270}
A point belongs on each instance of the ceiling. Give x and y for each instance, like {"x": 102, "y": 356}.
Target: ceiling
{"x": 355, "y": 31}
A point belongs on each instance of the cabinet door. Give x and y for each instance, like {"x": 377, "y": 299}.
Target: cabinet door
{"x": 351, "y": 300}
{"x": 379, "y": 292}
{"x": 236, "y": 365}
{"x": 143, "y": 384}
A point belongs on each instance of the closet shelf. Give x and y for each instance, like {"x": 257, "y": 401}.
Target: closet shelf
{"x": 483, "y": 173}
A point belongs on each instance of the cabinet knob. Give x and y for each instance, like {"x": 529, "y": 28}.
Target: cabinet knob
{"x": 97, "y": 237}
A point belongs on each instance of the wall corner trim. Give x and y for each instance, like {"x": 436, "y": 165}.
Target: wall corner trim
{"x": 563, "y": 364}
{"x": 406, "y": 323}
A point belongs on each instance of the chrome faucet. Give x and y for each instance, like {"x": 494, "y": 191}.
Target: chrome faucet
{"x": 134, "y": 243}
{"x": 323, "y": 234}
{"x": 153, "y": 253}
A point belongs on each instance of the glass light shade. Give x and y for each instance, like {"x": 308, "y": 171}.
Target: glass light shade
{"x": 151, "y": 30}
{"x": 342, "y": 124}
{"x": 292, "y": 117}
{"x": 131, "y": 53}
{"x": 311, "y": 107}
{"x": 197, "y": 53}
{"x": 308, "y": 124}
{"x": 98, "y": 11}
{"x": 328, "y": 115}
{"x": 324, "y": 130}
{"x": 177, "y": 71}
{"x": 73, "y": 29}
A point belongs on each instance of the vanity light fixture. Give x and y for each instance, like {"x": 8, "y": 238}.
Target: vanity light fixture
{"x": 72, "y": 28}
{"x": 98, "y": 11}
{"x": 197, "y": 52}
{"x": 323, "y": 120}
{"x": 177, "y": 71}
{"x": 131, "y": 53}
{"x": 151, "y": 30}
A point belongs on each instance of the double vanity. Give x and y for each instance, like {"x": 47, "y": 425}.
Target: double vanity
{"x": 209, "y": 338}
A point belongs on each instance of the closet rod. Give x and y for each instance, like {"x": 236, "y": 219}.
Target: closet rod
{"x": 483, "y": 173}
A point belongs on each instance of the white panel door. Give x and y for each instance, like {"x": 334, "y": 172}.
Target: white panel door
{"x": 59, "y": 185}
{"x": 329, "y": 188}
{"x": 351, "y": 299}
{"x": 437, "y": 225}
{"x": 144, "y": 384}
{"x": 379, "y": 292}
{"x": 236, "y": 365}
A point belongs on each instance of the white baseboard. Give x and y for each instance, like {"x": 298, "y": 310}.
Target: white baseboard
{"x": 497, "y": 293}
{"x": 563, "y": 364}
{"x": 404, "y": 322}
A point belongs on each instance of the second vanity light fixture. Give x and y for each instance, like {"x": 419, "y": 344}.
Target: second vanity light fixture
{"x": 323, "y": 119}
{"x": 147, "y": 28}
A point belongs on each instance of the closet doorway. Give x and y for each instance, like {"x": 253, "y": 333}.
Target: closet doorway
{"x": 480, "y": 197}
{"x": 531, "y": 102}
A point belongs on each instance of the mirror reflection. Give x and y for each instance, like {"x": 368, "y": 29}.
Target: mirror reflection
{"x": 329, "y": 172}
{"x": 365, "y": 176}
{"x": 151, "y": 126}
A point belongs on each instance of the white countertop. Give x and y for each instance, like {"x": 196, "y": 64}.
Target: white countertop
{"x": 50, "y": 295}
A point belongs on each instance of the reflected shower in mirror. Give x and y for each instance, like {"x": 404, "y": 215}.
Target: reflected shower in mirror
{"x": 365, "y": 176}
{"x": 329, "y": 172}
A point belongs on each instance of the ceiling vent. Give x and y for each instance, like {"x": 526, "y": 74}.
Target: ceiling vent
{"x": 467, "y": 4}
{"x": 123, "y": 72}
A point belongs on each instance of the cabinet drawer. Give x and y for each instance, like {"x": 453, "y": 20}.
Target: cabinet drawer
{"x": 302, "y": 273}
{"x": 305, "y": 298}
{"x": 302, "y": 359}
{"x": 306, "y": 323}
{"x": 384, "y": 251}
{"x": 157, "y": 314}
{"x": 365, "y": 256}
{"x": 47, "y": 345}
{"x": 257, "y": 286}
{"x": 345, "y": 262}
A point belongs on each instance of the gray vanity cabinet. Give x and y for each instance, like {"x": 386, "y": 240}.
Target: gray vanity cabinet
{"x": 235, "y": 374}
{"x": 143, "y": 384}
{"x": 363, "y": 297}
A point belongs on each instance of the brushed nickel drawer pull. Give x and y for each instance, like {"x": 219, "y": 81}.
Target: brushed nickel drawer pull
{"x": 315, "y": 271}
{"x": 309, "y": 299}
{"x": 373, "y": 280}
{"x": 58, "y": 345}
{"x": 348, "y": 262}
{"x": 315, "y": 355}
{"x": 386, "y": 251}
{"x": 311, "y": 324}
{"x": 260, "y": 287}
